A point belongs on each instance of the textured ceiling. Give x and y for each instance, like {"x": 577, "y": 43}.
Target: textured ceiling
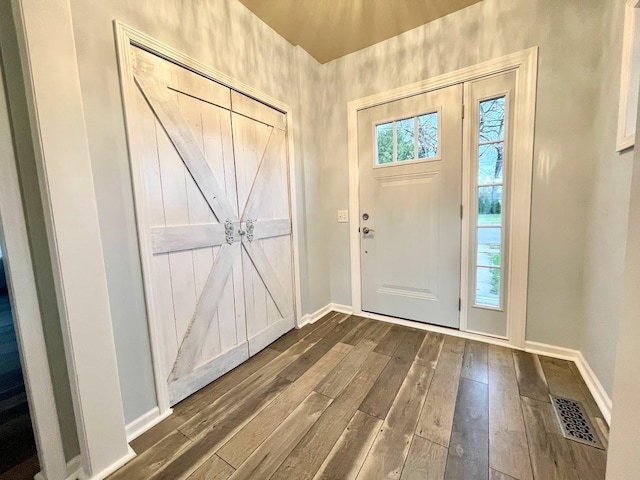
{"x": 329, "y": 29}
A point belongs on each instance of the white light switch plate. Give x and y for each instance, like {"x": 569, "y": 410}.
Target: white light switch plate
{"x": 343, "y": 216}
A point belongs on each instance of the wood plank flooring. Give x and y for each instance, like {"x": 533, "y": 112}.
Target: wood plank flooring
{"x": 351, "y": 398}
{"x": 17, "y": 443}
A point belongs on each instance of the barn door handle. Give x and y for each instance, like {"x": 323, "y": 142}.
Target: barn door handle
{"x": 228, "y": 231}
{"x": 248, "y": 231}
{"x": 249, "y": 225}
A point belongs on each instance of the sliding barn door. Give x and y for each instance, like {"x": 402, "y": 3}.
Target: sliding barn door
{"x": 263, "y": 195}
{"x": 212, "y": 214}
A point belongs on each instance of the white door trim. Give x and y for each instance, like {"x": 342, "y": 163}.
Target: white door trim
{"x": 624, "y": 140}
{"x": 25, "y": 307}
{"x": 525, "y": 63}
{"x": 59, "y": 136}
{"x": 125, "y": 37}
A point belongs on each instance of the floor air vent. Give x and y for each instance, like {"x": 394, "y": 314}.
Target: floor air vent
{"x": 575, "y": 422}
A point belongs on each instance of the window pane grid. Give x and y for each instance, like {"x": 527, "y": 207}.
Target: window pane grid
{"x": 490, "y": 142}
{"x": 489, "y": 198}
{"x": 407, "y": 139}
{"x": 384, "y": 143}
{"x": 394, "y": 139}
{"x": 428, "y": 135}
{"x": 416, "y": 132}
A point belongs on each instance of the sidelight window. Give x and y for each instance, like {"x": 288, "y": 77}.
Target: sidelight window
{"x": 490, "y": 198}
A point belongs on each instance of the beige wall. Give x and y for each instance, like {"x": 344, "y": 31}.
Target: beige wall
{"x": 608, "y": 210}
{"x": 623, "y": 461}
{"x": 315, "y": 216}
{"x": 224, "y": 35}
{"x": 570, "y": 36}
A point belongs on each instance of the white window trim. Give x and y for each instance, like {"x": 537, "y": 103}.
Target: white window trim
{"x": 525, "y": 63}
{"x": 624, "y": 141}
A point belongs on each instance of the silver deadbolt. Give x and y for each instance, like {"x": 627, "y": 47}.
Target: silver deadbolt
{"x": 367, "y": 230}
{"x": 365, "y": 216}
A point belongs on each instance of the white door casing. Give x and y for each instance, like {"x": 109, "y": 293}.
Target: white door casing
{"x": 25, "y": 308}
{"x": 211, "y": 221}
{"x": 410, "y": 259}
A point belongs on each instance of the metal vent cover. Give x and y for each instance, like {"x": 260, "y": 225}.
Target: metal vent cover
{"x": 575, "y": 422}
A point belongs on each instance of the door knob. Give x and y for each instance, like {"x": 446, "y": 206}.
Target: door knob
{"x": 367, "y": 230}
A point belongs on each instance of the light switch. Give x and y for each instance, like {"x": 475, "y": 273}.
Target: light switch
{"x": 343, "y": 216}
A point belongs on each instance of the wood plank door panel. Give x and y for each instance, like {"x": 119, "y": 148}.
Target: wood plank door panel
{"x": 263, "y": 197}
{"x": 214, "y": 203}
{"x": 198, "y": 294}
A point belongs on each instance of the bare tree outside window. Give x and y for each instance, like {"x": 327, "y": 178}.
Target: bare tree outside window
{"x": 490, "y": 194}
{"x": 428, "y": 135}
{"x": 492, "y": 137}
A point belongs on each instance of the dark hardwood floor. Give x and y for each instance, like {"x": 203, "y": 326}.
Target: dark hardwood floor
{"x": 348, "y": 397}
{"x": 17, "y": 443}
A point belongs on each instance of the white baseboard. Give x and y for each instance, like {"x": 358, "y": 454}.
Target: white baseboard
{"x": 336, "y": 307}
{"x": 145, "y": 422}
{"x": 310, "y": 318}
{"x": 113, "y": 467}
{"x": 588, "y": 375}
{"x": 595, "y": 387}
{"x": 314, "y": 317}
{"x": 74, "y": 469}
{"x": 551, "y": 351}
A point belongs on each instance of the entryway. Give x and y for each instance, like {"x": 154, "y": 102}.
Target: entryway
{"x": 440, "y": 187}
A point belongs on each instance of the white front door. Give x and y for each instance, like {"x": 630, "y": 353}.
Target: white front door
{"x": 410, "y": 171}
